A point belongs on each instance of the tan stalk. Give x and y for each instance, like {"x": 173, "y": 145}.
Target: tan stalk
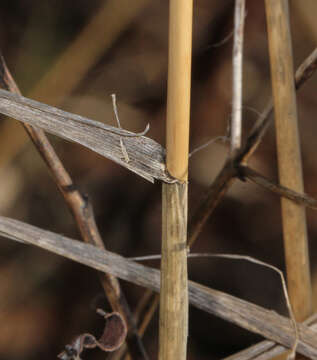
{"x": 174, "y": 287}
{"x": 289, "y": 157}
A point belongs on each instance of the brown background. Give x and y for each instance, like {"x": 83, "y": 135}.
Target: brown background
{"x": 44, "y": 300}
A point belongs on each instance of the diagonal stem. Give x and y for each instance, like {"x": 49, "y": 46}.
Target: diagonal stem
{"x": 247, "y": 173}
{"x": 83, "y": 215}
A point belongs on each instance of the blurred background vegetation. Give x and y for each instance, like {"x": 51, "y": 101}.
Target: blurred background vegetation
{"x": 74, "y": 55}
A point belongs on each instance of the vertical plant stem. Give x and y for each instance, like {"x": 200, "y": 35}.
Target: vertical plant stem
{"x": 289, "y": 157}
{"x": 174, "y": 288}
{"x": 237, "y": 63}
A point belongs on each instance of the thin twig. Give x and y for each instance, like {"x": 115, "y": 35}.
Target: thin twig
{"x": 256, "y": 178}
{"x": 82, "y": 212}
{"x": 209, "y": 142}
{"x": 115, "y": 109}
{"x": 224, "y": 40}
{"x": 237, "y": 71}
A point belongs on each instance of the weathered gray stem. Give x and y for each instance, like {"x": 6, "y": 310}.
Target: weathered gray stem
{"x": 242, "y": 313}
{"x": 174, "y": 305}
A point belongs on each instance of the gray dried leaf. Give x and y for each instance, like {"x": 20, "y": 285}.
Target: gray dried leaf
{"x": 146, "y": 157}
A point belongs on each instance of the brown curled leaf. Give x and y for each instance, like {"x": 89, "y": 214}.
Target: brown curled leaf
{"x": 112, "y": 338}
{"x": 114, "y": 333}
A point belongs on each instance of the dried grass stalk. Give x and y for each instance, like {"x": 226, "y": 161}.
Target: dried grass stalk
{"x": 289, "y": 157}
{"x": 174, "y": 284}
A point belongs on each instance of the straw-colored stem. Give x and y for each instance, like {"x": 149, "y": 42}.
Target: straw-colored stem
{"x": 178, "y": 99}
{"x": 174, "y": 288}
{"x": 289, "y": 157}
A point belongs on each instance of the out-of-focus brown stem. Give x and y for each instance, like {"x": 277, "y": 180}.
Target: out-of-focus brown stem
{"x": 251, "y": 175}
{"x": 84, "y": 217}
